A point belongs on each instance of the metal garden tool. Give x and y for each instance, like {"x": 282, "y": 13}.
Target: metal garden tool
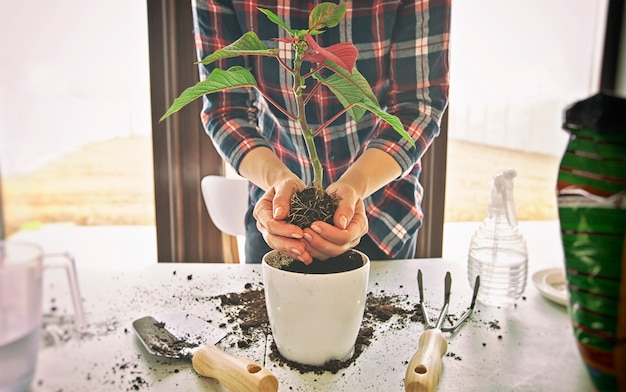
{"x": 424, "y": 370}
{"x": 182, "y": 335}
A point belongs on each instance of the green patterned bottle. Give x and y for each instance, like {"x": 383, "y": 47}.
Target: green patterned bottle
{"x": 591, "y": 195}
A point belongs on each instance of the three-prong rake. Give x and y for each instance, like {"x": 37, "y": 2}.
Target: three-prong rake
{"x": 424, "y": 370}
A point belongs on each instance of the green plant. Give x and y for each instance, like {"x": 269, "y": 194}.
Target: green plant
{"x": 346, "y": 83}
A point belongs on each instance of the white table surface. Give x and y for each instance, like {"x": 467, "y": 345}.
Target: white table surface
{"x": 534, "y": 349}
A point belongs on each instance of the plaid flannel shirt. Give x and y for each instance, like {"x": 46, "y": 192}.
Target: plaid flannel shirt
{"x": 403, "y": 53}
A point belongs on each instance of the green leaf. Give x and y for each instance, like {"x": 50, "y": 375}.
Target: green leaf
{"x": 218, "y": 80}
{"x": 275, "y": 19}
{"x": 300, "y": 34}
{"x": 392, "y": 120}
{"x": 355, "y": 90}
{"x": 326, "y": 15}
{"x": 345, "y": 92}
{"x": 349, "y": 88}
{"x": 248, "y": 44}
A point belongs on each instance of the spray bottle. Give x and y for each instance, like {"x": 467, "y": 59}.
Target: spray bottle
{"x": 497, "y": 250}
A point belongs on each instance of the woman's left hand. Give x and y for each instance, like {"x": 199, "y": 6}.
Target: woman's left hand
{"x": 323, "y": 240}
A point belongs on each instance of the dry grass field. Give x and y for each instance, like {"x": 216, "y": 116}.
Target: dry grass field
{"x": 103, "y": 183}
{"x": 471, "y": 167}
{"x": 111, "y": 183}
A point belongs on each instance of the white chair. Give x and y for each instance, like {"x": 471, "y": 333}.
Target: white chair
{"x": 226, "y": 200}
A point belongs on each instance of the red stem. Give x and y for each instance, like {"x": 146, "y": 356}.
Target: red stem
{"x": 327, "y": 123}
{"x": 287, "y": 67}
{"x": 310, "y": 94}
{"x": 285, "y": 112}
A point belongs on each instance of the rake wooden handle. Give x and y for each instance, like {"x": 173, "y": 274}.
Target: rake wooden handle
{"x": 236, "y": 373}
{"x": 424, "y": 370}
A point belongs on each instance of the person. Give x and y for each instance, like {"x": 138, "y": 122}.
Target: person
{"x": 403, "y": 54}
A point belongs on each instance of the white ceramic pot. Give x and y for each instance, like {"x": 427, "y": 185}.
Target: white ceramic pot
{"x": 315, "y": 318}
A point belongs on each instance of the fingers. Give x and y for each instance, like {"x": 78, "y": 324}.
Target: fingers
{"x": 283, "y": 191}
{"x": 270, "y": 213}
{"x": 347, "y": 200}
{"x": 321, "y": 249}
{"x": 324, "y": 241}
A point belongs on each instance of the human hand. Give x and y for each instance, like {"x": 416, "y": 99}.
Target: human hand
{"x": 323, "y": 240}
{"x": 270, "y": 213}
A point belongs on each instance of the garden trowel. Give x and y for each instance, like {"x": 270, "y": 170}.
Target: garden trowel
{"x": 182, "y": 335}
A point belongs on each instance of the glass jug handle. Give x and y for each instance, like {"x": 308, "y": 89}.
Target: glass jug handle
{"x": 66, "y": 261}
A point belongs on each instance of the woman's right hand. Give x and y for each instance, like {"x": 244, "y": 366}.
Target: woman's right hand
{"x": 270, "y": 213}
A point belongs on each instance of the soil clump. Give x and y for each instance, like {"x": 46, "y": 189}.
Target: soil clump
{"x": 309, "y": 205}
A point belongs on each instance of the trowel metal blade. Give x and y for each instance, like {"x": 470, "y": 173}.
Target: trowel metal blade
{"x": 175, "y": 335}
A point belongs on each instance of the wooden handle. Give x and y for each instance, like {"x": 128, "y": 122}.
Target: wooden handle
{"x": 236, "y": 373}
{"x": 425, "y": 367}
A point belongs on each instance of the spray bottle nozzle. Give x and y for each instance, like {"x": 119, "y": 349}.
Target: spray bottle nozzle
{"x": 501, "y": 202}
{"x": 503, "y": 178}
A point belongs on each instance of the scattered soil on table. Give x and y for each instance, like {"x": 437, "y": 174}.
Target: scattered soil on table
{"x": 124, "y": 375}
{"x": 247, "y": 312}
{"x": 58, "y": 329}
{"x": 246, "y": 309}
{"x": 493, "y": 325}
{"x": 452, "y": 355}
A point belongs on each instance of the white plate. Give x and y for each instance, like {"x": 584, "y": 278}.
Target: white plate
{"x": 552, "y": 284}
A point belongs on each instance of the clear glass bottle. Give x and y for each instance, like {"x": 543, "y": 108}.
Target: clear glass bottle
{"x": 497, "y": 250}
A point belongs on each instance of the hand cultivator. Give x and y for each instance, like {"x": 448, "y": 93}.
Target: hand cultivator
{"x": 424, "y": 370}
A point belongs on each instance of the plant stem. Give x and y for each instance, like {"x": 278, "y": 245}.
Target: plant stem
{"x": 298, "y": 86}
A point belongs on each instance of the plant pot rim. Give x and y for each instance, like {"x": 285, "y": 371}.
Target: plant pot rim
{"x": 366, "y": 263}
